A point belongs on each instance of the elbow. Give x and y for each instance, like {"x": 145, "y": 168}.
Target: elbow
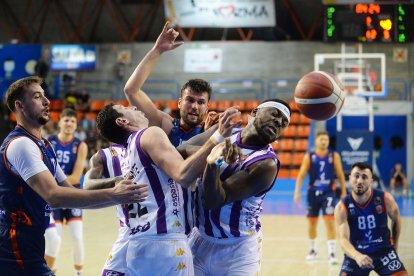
{"x": 54, "y": 203}
{"x": 128, "y": 90}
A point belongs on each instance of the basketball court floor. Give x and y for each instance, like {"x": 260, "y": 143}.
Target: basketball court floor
{"x": 285, "y": 238}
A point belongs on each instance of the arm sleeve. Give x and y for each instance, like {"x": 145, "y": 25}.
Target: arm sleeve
{"x": 60, "y": 175}
{"x": 25, "y": 158}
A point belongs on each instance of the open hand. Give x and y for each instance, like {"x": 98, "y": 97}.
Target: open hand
{"x": 166, "y": 39}
{"x": 126, "y": 191}
{"x": 226, "y": 123}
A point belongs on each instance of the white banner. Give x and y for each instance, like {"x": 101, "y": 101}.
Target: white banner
{"x": 203, "y": 60}
{"x": 221, "y": 13}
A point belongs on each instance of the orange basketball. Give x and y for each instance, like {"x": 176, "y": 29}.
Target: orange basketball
{"x": 319, "y": 95}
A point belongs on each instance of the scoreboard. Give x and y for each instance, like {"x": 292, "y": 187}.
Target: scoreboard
{"x": 369, "y": 22}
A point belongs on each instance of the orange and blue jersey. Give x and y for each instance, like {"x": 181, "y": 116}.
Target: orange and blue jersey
{"x": 178, "y": 135}
{"x": 368, "y": 223}
{"x": 66, "y": 152}
{"x": 24, "y": 215}
{"x": 321, "y": 172}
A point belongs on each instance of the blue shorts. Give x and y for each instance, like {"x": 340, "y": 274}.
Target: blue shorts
{"x": 318, "y": 200}
{"x": 60, "y": 215}
{"x": 385, "y": 263}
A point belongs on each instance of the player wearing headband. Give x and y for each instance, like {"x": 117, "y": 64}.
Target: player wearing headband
{"x": 227, "y": 239}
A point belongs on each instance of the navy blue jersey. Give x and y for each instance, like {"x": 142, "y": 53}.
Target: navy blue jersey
{"x": 178, "y": 135}
{"x": 368, "y": 223}
{"x": 321, "y": 171}
{"x": 66, "y": 153}
{"x": 24, "y": 215}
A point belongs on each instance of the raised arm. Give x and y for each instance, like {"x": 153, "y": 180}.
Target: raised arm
{"x": 341, "y": 221}
{"x": 132, "y": 90}
{"x": 394, "y": 214}
{"x": 93, "y": 177}
{"x": 340, "y": 173}
{"x": 74, "y": 177}
{"x": 192, "y": 145}
{"x": 304, "y": 167}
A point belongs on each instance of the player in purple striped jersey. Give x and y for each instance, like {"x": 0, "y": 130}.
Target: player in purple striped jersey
{"x": 227, "y": 239}
{"x": 362, "y": 222}
{"x": 111, "y": 164}
{"x": 157, "y": 225}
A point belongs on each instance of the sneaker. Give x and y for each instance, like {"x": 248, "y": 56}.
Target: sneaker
{"x": 332, "y": 259}
{"x": 311, "y": 256}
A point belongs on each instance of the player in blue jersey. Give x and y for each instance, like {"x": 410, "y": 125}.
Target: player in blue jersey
{"x": 322, "y": 165}
{"x": 71, "y": 155}
{"x": 32, "y": 182}
{"x": 193, "y": 101}
{"x": 158, "y": 228}
{"x": 362, "y": 222}
{"x": 227, "y": 239}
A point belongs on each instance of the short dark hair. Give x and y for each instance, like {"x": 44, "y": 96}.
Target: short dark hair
{"x": 107, "y": 126}
{"x": 198, "y": 86}
{"x": 322, "y": 132}
{"x": 68, "y": 112}
{"x": 362, "y": 166}
{"x": 17, "y": 89}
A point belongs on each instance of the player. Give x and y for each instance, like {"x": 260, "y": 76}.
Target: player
{"x": 193, "y": 102}
{"x": 321, "y": 164}
{"x": 110, "y": 164}
{"x": 157, "y": 225}
{"x": 227, "y": 239}
{"x": 398, "y": 178}
{"x": 71, "y": 155}
{"x": 362, "y": 221}
{"x": 32, "y": 182}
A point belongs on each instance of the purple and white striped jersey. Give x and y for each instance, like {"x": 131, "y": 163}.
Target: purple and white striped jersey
{"x": 163, "y": 210}
{"x": 116, "y": 163}
{"x": 240, "y": 218}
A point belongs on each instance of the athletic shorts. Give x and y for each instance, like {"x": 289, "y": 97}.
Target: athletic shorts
{"x": 219, "y": 257}
{"x": 167, "y": 255}
{"x": 61, "y": 215}
{"x": 385, "y": 263}
{"x": 318, "y": 200}
{"x": 116, "y": 262}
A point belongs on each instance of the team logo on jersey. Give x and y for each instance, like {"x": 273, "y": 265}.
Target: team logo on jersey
{"x": 179, "y": 252}
{"x": 140, "y": 229}
{"x": 177, "y": 223}
{"x": 329, "y": 210}
{"x": 394, "y": 265}
{"x": 74, "y": 149}
{"x": 76, "y": 212}
{"x": 377, "y": 200}
{"x": 181, "y": 266}
{"x": 175, "y": 212}
{"x": 113, "y": 152}
{"x": 378, "y": 208}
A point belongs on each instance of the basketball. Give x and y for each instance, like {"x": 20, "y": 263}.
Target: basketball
{"x": 319, "y": 95}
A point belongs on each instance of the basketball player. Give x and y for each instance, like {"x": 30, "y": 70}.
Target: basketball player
{"x": 71, "y": 155}
{"x": 193, "y": 102}
{"x": 32, "y": 182}
{"x": 321, "y": 164}
{"x": 157, "y": 226}
{"x": 227, "y": 239}
{"x": 111, "y": 163}
{"x": 362, "y": 221}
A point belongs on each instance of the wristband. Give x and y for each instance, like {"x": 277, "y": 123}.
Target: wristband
{"x": 218, "y": 162}
{"x": 217, "y": 138}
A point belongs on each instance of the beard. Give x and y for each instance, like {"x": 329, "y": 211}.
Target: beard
{"x": 43, "y": 120}
{"x": 361, "y": 191}
{"x": 264, "y": 136}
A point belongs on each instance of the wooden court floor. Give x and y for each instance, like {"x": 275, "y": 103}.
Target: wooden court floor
{"x": 284, "y": 250}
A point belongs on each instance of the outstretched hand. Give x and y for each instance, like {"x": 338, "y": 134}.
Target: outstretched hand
{"x": 166, "y": 39}
{"x": 126, "y": 191}
{"x": 211, "y": 119}
{"x": 226, "y": 123}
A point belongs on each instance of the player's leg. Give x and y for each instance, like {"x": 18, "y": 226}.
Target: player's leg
{"x": 201, "y": 252}
{"x": 52, "y": 242}
{"x": 74, "y": 217}
{"x": 312, "y": 214}
{"x": 58, "y": 216}
{"x": 328, "y": 211}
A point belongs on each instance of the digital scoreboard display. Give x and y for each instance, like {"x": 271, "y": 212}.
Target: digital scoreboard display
{"x": 369, "y": 22}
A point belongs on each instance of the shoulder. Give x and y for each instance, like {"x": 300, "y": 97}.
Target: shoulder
{"x": 96, "y": 159}
{"x": 21, "y": 143}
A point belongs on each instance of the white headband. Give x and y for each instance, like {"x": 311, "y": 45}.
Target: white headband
{"x": 281, "y": 107}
